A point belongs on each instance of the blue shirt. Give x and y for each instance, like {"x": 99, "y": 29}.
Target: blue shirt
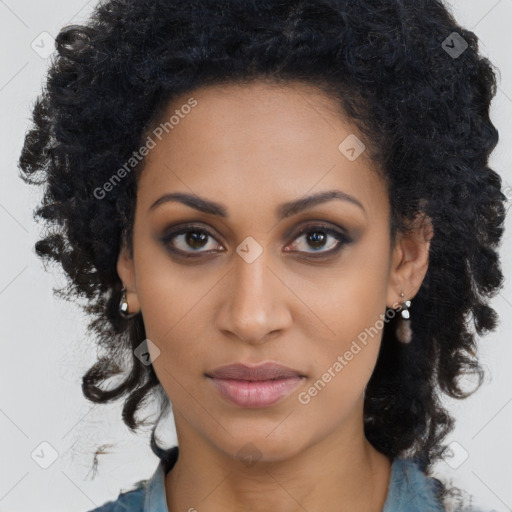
{"x": 409, "y": 490}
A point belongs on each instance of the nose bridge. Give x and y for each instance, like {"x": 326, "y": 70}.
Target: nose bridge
{"x": 250, "y": 278}
{"x": 254, "y": 306}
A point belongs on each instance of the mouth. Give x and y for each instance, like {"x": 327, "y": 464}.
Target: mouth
{"x": 255, "y": 386}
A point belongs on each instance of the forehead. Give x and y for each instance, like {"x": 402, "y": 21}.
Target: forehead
{"x": 259, "y": 141}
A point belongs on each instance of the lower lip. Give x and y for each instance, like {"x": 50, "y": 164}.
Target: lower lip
{"x": 255, "y": 393}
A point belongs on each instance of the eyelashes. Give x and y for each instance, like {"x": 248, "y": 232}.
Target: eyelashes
{"x": 190, "y": 241}
{"x": 319, "y": 236}
{"x": 200, "y": 236}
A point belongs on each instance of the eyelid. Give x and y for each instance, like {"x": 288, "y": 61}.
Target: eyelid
{"x": 173, "y": 231}
{"x": 314, "y": 224}
{"x": 337, "y": 232}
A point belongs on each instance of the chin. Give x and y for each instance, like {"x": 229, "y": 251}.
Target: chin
{"x": 252, "y": 448}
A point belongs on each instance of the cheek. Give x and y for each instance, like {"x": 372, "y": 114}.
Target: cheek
{"x": 175, "y": 322}
{"x": 343, "y": 364}
{"x": 168, "y": 292}
{"x": 351, "y": 306}
{"x": 353, "y": 296}
{"x": 171, "y": 303}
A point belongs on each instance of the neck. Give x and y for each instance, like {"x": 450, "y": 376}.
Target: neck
{"x": 328, "y": 476}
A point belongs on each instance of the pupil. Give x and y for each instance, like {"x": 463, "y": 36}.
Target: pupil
{"x": 195, "y": 236}
{"x": 318, "y": 241}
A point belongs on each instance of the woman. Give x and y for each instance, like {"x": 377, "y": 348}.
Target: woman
{"x": 281, "y": 215}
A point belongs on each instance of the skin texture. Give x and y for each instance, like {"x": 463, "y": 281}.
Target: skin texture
{"x": 251, "y": 148}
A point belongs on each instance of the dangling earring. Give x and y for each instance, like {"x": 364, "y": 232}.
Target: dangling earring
{"x": 123, "y": 306}
{"x": 403, "y": 330}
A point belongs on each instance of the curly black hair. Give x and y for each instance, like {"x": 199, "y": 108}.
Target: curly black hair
{"x": 423, "y": 110}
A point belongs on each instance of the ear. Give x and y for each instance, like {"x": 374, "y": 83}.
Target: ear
{"x": 409, "y": 261}
{"x": 126, "y": 272}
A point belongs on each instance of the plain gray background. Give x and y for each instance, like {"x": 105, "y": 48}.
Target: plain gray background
{"x": 45, "y": 348}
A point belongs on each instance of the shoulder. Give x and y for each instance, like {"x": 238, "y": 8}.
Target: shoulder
{"x": 129, "y": 501}
{"x": 145, "y": 495}
{"x": 411, "y": 489}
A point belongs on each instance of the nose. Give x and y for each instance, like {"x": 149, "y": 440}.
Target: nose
{"x": 256, "y": 305}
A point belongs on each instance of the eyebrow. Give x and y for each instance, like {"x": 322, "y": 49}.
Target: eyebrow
{"x": 283, "y": 211}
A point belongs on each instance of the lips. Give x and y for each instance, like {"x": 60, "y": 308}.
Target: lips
{"x": 266, "y": 371}
{"x": 255, "y": 386}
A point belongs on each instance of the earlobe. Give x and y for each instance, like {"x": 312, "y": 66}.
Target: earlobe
{"x": 410, "y": 261}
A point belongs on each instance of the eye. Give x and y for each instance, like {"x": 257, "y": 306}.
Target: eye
{"x": 181, "y": 240}
{"x": 190, "y": 239}
{"x": 317, "y": 238}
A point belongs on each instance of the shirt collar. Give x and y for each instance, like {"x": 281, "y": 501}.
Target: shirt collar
{"x": 409, "y": 488}
{"x": 155, "y": 499}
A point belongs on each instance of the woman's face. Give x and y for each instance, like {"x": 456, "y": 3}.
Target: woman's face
{"x": 248, "y": 286}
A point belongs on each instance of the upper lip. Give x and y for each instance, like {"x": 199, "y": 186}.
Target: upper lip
{"x": 265, "y": 371}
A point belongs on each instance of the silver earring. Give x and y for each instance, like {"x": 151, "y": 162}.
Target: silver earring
{"x": 123, "y": 306}
{"x": 403, "y": 330}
